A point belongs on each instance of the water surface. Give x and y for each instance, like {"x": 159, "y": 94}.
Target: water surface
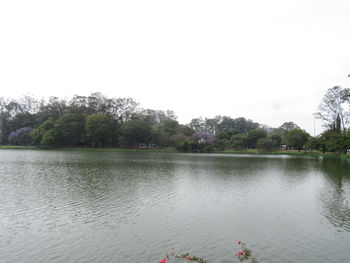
{"x": 73, "y": 206}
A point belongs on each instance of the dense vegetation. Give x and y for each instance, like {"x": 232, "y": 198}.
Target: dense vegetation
{"x": 99, "y": 121}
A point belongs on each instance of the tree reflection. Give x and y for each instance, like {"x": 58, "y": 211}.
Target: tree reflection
{"x": 335, "y": 196}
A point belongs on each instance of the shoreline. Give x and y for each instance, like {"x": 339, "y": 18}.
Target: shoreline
{"x": 173, "y": 150}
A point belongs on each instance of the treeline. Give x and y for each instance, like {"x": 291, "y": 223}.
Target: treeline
{"x": 87, "y": 121}
{"x": 99, "y": 121}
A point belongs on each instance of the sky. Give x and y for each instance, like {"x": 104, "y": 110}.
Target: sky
{"x": 270, "y": 61}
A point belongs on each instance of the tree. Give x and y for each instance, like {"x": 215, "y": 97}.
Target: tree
{"x": 283, "y": 129}
{"x": 266, "y": 143}
{"x": 20, "y": 136}
{"x": 254, "y": 136}
{"x": 100, "y": 130}
{"x": 203, "y": 137}
{"x": 46, "y": 129}
{"x": 332, "y": 105}
{"x": 54, "y": 108}
{"x": 50, "y": 138}
{"x": 297, "y": 138}
{"x": 167, "y": 133}
{"x": 239, "y": 141}
{"x": 136, "y": 131}
{"x": 242, "y": 125}
{"x": 316, "y": 143}
{"x": 4, "y": 127}
{"x": 277, "y": 139}
{"x": 336, "y": 142}
{"x": 287, "y": 126}
{"x": 198, "y": 124}
{"x": 70, "y": 129}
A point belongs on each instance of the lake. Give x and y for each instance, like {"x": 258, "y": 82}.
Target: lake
{"x": 105, "y": 206}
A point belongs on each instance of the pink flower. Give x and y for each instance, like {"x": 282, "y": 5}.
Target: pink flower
{"x": 240, "y": 252}
{"x": 164, "y": 260}
{"x": 188, "y": 259}
{"x": 239, "y": 242}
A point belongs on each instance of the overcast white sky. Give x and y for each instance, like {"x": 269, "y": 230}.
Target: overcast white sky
{"x": 270, "y": 61}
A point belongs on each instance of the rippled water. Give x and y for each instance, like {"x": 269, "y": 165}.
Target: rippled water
{"x": 58, "y": 206}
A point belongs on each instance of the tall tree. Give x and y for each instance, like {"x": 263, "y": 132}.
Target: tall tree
{"x": 100, "y": 130}
{"x": 70, "y": 129}
{"x": 136, "y": 131}
{"x": 333, "y": 104}
{"x": 297, "y": 138}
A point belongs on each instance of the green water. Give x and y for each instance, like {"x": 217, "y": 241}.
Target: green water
{"x": 72, "y": 206}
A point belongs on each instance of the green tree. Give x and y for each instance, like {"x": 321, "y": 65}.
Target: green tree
{"x": 277, "y": 139}
{"x": 70, "y": 129}
{"x": 297, "y": 138}
{"x": 316, "y": 143}
{"x": 50, "y": 138}
{"x": 266, "y": 143}
{"x": 221, "y": 143}
{"x": 254, "y": 136}
{"x": 38, "y": 133}
{"x": 239, "y": 141}
{"x": 336, "y": 142}
{"x": 166, "y": 133}
{"x": 136, "y": 131}
{"x": 100, "y": 130}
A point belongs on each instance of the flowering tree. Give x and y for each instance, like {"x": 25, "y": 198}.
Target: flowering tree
{"x": 203, "y": 137}
{"x": 20, "y": 136}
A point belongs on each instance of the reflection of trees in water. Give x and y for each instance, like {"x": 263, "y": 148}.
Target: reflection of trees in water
{"x": 335, "y": 197}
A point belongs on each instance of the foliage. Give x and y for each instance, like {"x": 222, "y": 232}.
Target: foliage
{"x": 192, "y": 146}
{"x": 203, "y": 137}
{"x": 20, "y": 136}
{"x": 277, "y": 139}
{"x": 221, "y": 143}
{"x": 136, "y": 131}
{"x": 282, "y": 130}
{"x": 316, "y": 143}
{"x": 100, "y": 130}
{"x": 266, "y": 143}
{"x": 239, "y": 141}
{"x": 69, "y": 129}
{"x": 253, "y": 136}
{"x": 336, "y": 142}
{"x": 245, "y": 254}
{"x": 297, "y": 138}
{"x": 43, "y": 130}
{"x": 185, "y": 256}
{"x": 223, "y": 123}
{"x": 333, "y": 104}
{"x": 100, "y": 121}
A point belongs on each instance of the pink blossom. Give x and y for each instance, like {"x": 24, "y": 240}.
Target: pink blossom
{"x": 188, "y": 259}
{"x": 164, "y": 260}
{"x": 241, "y": 252}
{"x": 239, "y": 242}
